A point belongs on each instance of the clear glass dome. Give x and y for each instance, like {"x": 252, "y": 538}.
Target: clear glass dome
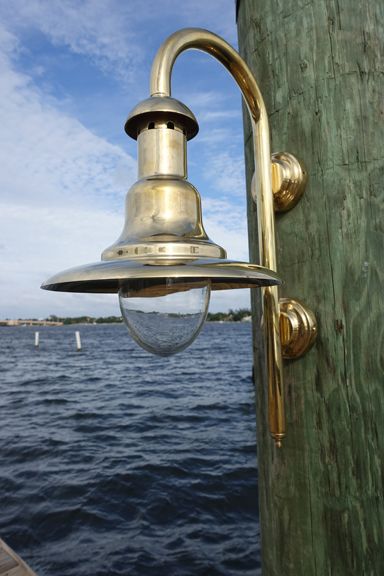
{"x": 165, "y": 324}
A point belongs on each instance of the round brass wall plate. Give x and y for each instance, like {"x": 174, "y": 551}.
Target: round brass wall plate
{"x": 289, "y": 178}
{"x": 298, "y": 328}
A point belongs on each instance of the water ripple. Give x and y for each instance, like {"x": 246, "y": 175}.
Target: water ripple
{"x": 114, "y": 462}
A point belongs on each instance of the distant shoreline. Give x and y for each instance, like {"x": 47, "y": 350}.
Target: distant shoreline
{"x": 242, "y": 315}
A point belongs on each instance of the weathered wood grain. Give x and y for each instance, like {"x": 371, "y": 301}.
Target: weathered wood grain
{"x": 320, "y": 66}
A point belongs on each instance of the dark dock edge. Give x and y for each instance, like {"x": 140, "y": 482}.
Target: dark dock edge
{"x": 11, "y": 564}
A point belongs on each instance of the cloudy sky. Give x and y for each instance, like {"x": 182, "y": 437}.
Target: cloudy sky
{"x": 70, "y": 71}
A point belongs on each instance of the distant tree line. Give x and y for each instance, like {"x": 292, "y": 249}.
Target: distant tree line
{"x": 86, "y": 319}
{"x": 231, "y": 316}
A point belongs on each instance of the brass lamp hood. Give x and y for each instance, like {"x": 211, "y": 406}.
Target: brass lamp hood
{"x": 164, "y": 252}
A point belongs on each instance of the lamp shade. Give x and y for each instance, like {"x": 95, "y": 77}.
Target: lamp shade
{"x": 148, "y": 277}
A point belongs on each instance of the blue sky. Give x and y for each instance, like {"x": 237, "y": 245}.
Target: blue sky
{"x": 71, "y": 70}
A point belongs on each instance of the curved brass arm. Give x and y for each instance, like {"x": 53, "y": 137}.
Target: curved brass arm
{"x": 200, "y": 39}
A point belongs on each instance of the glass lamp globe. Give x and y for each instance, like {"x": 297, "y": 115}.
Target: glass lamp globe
{"x": 167, "y": 323}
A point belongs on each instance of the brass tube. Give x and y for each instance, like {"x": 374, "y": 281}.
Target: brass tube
{"x": 162, "y": 151}
{"x": 195, "y": 38}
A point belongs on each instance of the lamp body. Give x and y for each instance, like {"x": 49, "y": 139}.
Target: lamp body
{"x": 321, "y": 497}
{"x": 163, "y": 237}
{"x": 163, "y": 217}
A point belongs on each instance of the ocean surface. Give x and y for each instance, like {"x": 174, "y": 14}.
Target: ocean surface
{"x": 116, "y": 462}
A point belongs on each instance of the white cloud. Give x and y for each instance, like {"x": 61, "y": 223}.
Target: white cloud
{"x": 8, "y": 41}
{"x": 48, "y": 154}
{"x": 212, "y": 106}
{"x": 39, "y": 241}
{"x": 59, "y": 201}
{"x": 226, "y": 224}
{"x": 93, "y": 28}
{"x": 216, "y": 115}
{"x": 111, "y": 32}
{"x": 203, "y": 100}
{"x": 225, "y": 170}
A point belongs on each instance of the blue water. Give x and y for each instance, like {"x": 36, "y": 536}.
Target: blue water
{"x": 116, "y": 462}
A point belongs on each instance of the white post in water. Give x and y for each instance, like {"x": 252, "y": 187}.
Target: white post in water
{"x": 78, "y": 340}
{"x": 37, "y": 339}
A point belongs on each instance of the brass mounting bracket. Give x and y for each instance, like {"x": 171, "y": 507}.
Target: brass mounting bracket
{"x": 289, "y": 326}
{"x": 289, "y": 178}
{"x": 298, "y": 328}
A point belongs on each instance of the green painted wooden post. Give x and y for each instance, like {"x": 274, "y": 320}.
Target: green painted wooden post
{"x": 320, "y": 66}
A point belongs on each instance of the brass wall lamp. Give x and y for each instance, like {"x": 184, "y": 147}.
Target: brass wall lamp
{"x": 163, "y": 265}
